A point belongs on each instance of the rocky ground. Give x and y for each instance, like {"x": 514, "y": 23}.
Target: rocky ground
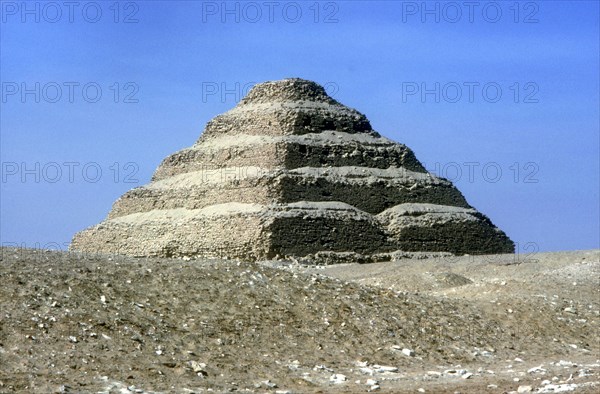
{"x": 80, "y": 323}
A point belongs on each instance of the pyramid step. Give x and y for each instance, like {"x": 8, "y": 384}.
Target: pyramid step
{"x": 369, "y": 189}
{"x": 438, "y": 228}
{"x": 247, "y": 231}
{"x": 332, "y": 148}
{"x": 287, "y": 118}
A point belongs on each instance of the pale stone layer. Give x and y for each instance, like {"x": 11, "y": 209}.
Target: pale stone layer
{"x": 247, "y": 231}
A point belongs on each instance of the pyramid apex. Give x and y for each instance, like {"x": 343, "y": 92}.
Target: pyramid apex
{"x": 288, "y": 89}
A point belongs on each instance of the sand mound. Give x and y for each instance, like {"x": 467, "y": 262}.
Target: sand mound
{"x": 82, "y": 323}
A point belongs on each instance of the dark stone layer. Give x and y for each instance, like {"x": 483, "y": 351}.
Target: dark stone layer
{"x": 456, "y": 237}
{"x": 372, "y": 197}
{"x": 341, "y": 155}
{"x": 298, "y": 236}
{"x": 436, "y": 228}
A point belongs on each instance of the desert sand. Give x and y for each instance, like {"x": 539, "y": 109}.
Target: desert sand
{"x": 73, "y": 322}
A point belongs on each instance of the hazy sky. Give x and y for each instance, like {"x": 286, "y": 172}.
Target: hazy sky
{"x": 502, "y": 99}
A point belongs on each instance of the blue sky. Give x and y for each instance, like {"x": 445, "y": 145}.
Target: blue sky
{"x": 528, "y": 157}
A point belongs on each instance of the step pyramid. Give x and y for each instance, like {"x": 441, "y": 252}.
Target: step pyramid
{"x": 292, "y": 173}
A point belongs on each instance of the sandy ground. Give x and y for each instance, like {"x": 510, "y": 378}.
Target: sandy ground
{"x": 81, "y": 323}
